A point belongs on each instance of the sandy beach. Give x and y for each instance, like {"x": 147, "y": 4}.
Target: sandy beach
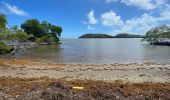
{"x": 28, "y": 80}
{"x": 135, "y": 73}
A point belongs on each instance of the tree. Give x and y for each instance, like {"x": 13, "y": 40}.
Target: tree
{"x": 33, "y": 27}
{"x": 13, "y": 35}
{"x": 19, "y": 35}
{"x": 41, "y": 30}
{"x": 3, "y": 21}
{"x": 157, "y": 34}
{"x": 56, "y": 30}
{"x": 10, "y": 35}
{"x": 46, "y": 27}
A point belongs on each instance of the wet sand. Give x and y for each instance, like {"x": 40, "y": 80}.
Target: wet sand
{"x": 135, "y": 73}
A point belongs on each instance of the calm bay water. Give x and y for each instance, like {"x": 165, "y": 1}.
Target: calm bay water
{"x": 100, "y": 51}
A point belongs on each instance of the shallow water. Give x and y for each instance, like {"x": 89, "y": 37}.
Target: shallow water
{"x": 100, "y": 51}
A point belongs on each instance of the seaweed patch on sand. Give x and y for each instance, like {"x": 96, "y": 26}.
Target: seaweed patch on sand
{"x": 45, "y": 88}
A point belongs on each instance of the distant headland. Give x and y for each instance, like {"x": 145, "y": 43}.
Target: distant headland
{"x": 100, "y": 35}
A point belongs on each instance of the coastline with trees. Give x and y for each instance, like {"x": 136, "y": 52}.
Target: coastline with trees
{"x": 156, "y": 36}
{"x": 42, "y": 32}
{"x": 101, "y": 35}
{"x": 84, "y": 49}
{"x": 31, "y": 31}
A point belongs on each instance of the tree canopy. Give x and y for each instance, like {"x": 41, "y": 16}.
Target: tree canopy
{"x": 3, "y": 21}
{"x": 158, "y": 34}
{"x": 126, "y": 35}
{"x": 10, "y": 35}
{"x": 41, "y": 29}
{"x": 13, "y": 35}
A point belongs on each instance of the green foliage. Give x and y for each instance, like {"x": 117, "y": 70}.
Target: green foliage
{"x": 96, "y": 36}
{"x": 10, "y": 35}
{"x": 15, "y": 34}
{"x": 56, "y": 30}
{"x": 41, "y": 29}
{"x": 99, "y": 35}
{"x": 3, "y": 21}
{"x": 125, "y": 35}
{"x": 40, "y": 40}
{"x": 18, "y": 35}
{"x": 47, "y": 39}
{"x": 4, "y": 48}
{"x": 33, "y": 27}
{"x": 157, "y": 34}
{"x": 7, "y": 35}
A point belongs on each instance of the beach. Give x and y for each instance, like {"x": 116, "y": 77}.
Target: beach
{"x": 13, "y": 72}
{"x": 108, "y": 72}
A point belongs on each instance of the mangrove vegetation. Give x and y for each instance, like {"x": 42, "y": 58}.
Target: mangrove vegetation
{"x": 31, "y": 30}
{"x": 42, "y": 31}
{"x": 158, "y": 35}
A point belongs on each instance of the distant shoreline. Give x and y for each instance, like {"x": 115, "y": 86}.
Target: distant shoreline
{"x": 111, "y": 38}
{"x": 100, "y": 35}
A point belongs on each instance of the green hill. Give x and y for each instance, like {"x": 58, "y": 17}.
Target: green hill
{"x": 125, "y": 35}
{"x": 100, "y": 35}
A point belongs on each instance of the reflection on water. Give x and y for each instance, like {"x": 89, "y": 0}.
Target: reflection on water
{"x": 99, "y": 51}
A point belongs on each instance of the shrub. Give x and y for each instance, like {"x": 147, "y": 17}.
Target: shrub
{"x": 157, "y": 34}
{"x": 4, "y": 48}
{"x": 47, "y": 39}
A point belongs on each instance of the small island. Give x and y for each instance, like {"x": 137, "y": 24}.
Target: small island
{"x": 126, "y": 35}
{"x": 100, "y": 35}
{"x": 97, "y": 35}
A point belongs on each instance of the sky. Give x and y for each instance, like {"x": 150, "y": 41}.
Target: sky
{"x": 78, "y": 17}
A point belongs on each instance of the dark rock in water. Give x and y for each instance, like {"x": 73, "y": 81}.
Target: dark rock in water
{"x": 162, "y": 43}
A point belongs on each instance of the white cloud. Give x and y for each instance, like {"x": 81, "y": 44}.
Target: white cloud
{"x": 91, "y": 18}
{"x": 165, "y": 14}
{"x": 159, "y": 13}
{"x": 160, "y": 2}
{"x": 138, "y": 25}
{"x": 142, "y": 4}
{"x": 111, "y": 19}
{"x": 8, "y": 8}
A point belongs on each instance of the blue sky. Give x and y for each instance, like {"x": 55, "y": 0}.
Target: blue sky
{"x": 78, "y": 17}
